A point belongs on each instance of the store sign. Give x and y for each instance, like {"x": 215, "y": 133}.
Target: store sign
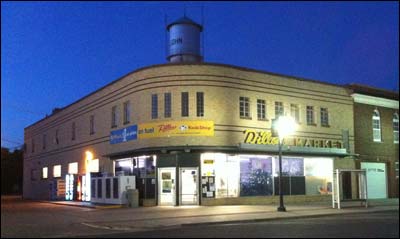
{"x": 123, "y": 135}
{"x": 265, "y": 137}
{"x": 176, "y": 128}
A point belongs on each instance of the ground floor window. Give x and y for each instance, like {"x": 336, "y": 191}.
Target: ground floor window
{"x": 258, "y": 175}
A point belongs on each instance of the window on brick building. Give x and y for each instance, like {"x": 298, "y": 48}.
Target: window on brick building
{"x": 396, "y": 128}
{"x": 376, "y": 126}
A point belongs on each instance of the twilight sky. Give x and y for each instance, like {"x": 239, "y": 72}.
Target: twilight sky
{"x": 54, "y": 53}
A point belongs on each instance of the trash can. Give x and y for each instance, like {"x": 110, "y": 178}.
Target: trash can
{"x": 132, "y": 197}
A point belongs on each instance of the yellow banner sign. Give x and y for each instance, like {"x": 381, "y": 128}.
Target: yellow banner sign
{"x": 176, "y": 128}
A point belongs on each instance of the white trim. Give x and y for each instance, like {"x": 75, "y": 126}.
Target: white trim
{"x": 377, "y": 101}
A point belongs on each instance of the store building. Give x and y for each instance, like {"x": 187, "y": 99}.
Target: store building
{"x": 376, "y": 130}
{"x": 197, "y": 133}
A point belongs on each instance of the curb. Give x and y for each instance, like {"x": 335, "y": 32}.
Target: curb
{"x": 87, "y": 206}
{"x": 283, "y": 218}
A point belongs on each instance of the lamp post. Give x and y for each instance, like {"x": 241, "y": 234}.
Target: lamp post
{"x": 284, "y": 126}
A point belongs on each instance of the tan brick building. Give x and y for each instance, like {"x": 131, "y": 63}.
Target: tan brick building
{"x": 163, "y": 121}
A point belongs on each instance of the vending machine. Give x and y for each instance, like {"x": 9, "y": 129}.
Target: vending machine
{"x": 69, "y": 187}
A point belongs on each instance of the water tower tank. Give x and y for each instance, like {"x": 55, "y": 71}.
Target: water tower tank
{"x": 184, "y": 41}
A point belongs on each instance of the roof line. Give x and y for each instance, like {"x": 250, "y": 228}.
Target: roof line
{"x": 182, "y": 64}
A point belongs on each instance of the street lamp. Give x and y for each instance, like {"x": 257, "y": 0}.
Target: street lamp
{"x": 283, "y": 126}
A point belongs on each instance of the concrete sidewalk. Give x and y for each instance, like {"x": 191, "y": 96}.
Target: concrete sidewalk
{"x": 148, "y": 218}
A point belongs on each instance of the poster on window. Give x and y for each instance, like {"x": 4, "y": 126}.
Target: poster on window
{"x": 255, "y": 176}
{"x": 290, "y": 166}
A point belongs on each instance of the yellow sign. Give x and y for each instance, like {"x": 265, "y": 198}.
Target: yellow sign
{"x": 261, "y": 137}
{"x": 265, "y": 137}
{"x": 176, "y": 128}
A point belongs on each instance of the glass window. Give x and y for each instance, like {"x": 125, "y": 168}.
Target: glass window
{"x": 115, "y": 188}
{"x": 73, "y": 133}
{"x": 396, "y": 128}
{"x": 256, "y": 175}
{"x": 290, "y": 166}
{"x": 244, "y": 106}
{"x": 376, "y": 126}
{"x": 261, "y": 110}
{"x": 294, "y": 112}
{"x": 56, "y": 140}
{"x": 45, "y": 172}
{"x": 33, "y": 145}
{"x": 93, "y": 188}
{"x": 92, "y": 124}
{"x": 167, "y": 105}
{"x": 185, "y": 104}
{"x": 114, "y": 116}
{"x": 324, "y": 117}
{"x": 108, "y": 187}
{"x": 44, "y": 141}
{"x": 154, "y": 106}
{"x": 200, "y": 104}
{"x": 226, "y": 169}
{"x": 99, "y": 187}
{"x": 56, "y": 171}
{"x": 73, "y": 168}
{"x": 279, "y": 110}
{"x": 127, "y": 112}
{"x": 310, "y": 115}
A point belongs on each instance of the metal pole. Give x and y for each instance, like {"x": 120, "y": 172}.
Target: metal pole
{"x": 281, "y": 207}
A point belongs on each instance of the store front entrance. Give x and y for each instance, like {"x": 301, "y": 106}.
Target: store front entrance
{"x": 188, "y": 181}
{"x": 166, "y": 188}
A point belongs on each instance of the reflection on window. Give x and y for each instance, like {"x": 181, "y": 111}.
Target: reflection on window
{"x": 255, "y": 176}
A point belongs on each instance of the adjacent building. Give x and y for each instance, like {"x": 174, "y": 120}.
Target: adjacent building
{"x": 376, "y": 130}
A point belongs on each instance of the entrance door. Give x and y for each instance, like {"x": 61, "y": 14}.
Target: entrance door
{"x": 188, "y": 186}
{"x": 166, "y": 187}
{"x": 376, "y": 179}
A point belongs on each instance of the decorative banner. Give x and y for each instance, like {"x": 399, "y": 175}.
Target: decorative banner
{"x": 123, "y": 135}
{"x": 176, "y": 128}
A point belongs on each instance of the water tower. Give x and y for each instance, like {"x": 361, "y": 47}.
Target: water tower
{"x": 184, "y": 41}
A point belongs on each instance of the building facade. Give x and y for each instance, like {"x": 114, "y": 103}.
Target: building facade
{"x": 195, "y": 133}
{"x": 161, "y": 122}
{"x": 376, "y": 129}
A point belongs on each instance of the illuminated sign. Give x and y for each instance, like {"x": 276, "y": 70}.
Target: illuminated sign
{"x": 265, "y": 137}
{"x": 123, "y": 135}
{"x": 176, "y": 128}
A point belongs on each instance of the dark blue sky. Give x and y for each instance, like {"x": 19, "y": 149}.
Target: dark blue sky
{"x": 54, "y": 53}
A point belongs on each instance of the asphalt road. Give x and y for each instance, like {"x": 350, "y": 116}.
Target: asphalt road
{"x": 35, "y": 219}
{"x": 375, "y": 225}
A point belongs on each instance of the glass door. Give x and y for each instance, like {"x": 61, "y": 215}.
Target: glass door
{"x": 166, "y": 187}
{"x": 188, "y": 186}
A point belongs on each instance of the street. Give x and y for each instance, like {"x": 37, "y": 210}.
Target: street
{"x": 376, "y": 225}
{"x": 22, "y": 218}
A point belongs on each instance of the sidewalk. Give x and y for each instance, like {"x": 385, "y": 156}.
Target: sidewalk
{"x": 147, "y": 218}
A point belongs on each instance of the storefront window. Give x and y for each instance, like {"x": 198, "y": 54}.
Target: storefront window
{"x": 318, "y": 172}
{"x": 226, "y": 169}
{"x": 255, "y": 175}
{"x": 258, "y": 175}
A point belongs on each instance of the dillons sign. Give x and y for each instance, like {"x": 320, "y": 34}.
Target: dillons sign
{"x": 265, "y": 137}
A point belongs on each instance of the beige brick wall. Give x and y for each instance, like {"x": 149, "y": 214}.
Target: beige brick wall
{"x": 222, "y": 87}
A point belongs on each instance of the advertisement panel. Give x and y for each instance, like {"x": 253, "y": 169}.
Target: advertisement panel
{"x": 176, "y": 128}
{"x": 123, "y": 135}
